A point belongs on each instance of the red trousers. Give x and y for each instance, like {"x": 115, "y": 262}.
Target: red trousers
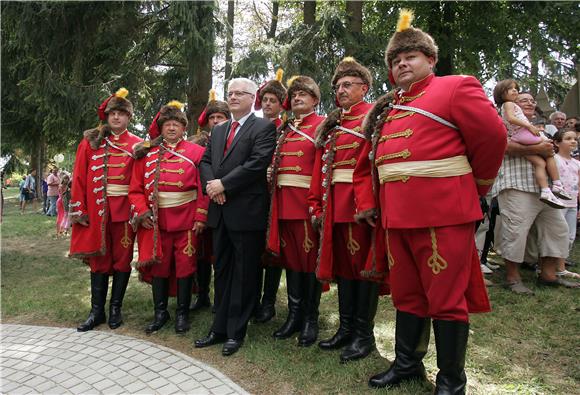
{"x": 179, "y": 254}
{"x": 299, "y": 244}
{"x": 350, "y": 243}
{"x": 434, "y": 272}
{"x": 119, "y": 240}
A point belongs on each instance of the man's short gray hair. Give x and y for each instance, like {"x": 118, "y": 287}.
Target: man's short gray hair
{"x": 555, "y": 113}
{"x": 249, "y": 85}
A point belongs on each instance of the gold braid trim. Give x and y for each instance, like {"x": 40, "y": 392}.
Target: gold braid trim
{"x": 351, "y": 161}
{"x": 390, "y": 259}
{"x": 297, "y": 169}
{"x": 287, "y": 153}
{"x": 178, "y": 184}
{"x": 400, "y": 115}
{"x": 407, "y": 99}
{"x": 347, "y": 146}
{"x": 290, "y": 139}
{"x": 435, "y": 261}
{"x": 403, "y": 154}
{"x": 189, "y": 250}
{"x": 180, "y": 160}
{"x": 352, "y": 244}
{"x": 307, "y": 244}
{"x": 116, "y": 164}
{"x": 405, "y": 133}
{"x": 177, "y": 171}
{"x": 117, "y": 154}
{"x": 121, "y": 177}
{"x": 126, "y": 240}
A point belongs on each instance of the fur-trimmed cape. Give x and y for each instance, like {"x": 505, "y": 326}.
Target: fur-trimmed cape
{"x": 142, "y": 149}
{"x": 322, "y": 131}
{"x": 96, "y": 135}
{"x": 374, "y": 118}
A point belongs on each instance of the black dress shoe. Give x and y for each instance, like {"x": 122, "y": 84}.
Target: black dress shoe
{"x": 265, "y": 313}
{"x": 231, "y": 346}
{"x": 211, "y": 339}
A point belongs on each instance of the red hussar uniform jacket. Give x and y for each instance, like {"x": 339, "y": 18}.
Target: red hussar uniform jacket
{"x": 101, "y": 176}
{"x": 407, "y": 138}
{"x": 291, "y": 175}
{"x": 335, "y": 191}
{"x": 428, "y": 177}
{"x": 166, "y": 185}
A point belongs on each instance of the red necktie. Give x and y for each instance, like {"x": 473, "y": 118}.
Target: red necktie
{"x": 231, "y": 136}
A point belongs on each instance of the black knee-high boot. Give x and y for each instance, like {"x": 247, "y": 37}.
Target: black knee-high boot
{"x": 411, "y": 343}
{"x": 183, "y": 300}
{"x": 267, "y": 309}
{"x": 363, "y": 340}
{"x": 311, "y": 292}
{"x": 345, "y": 311}
{"x": 160, "y": 288}
{"x": 120, "y": 281}
{"x": 99, "y": 286}
{"x": 451, "y": 342}
{"x": 294, "y": 320}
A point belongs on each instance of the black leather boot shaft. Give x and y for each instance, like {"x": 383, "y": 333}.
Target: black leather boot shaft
{"x": 120, "y": 281}
{"x": 451, "y": 342}
{"x": 99, "y": 287}
{"x": 294, "y": 320}
{"x": 311, "y": 294}
{"x": 184, "y": 286}
{"x": 363, "y": 339}
{"x": 411, "y": 343}
{"x": 267, "y": 309}
{"x": 202, "y": 300}
{"x": 343, "y": 335}
{"x": 160, "y": 288}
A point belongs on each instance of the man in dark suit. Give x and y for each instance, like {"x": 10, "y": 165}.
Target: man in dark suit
{"x": 233, "y": 172}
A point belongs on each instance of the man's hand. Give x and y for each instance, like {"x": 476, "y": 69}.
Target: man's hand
{"x": 83, "y": 222}
{"x": 198, "y": 227}
{"x": 147, "y": 223}
{"x": 214, "y": 188}
{"x": 219, "y": 199}
{"x": 545, "y": 149}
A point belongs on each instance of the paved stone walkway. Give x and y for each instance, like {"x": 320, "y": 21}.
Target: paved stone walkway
{"x": 36, "y": 359}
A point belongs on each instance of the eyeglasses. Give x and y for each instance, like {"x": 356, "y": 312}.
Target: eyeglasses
{"x": 346, "y": 85}
{"x": 239, "y": 93}
{"x": 531, "y": 101}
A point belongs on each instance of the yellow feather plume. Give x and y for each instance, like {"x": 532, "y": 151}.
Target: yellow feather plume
{"x": 349, "y": 59}
{"x": 291, "y": 80}
{"x": 405, "y": 18}
{"x": 279, "y": 75}
{"x": 212, "y": 95}
{"x": 122, "y": 93}
{"x": 176, "y": 104}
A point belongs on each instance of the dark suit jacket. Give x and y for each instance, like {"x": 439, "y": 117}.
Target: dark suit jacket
{"x": 242, "y": 172}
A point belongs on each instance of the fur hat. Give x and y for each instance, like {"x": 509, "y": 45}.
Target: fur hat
{"x": 408, "y": 38}
{"x": 171, "y": 111}
{"x": 116, "y": 101}
{"x": 300, "y": 83}
{"x": 274, "y": 87}
{"x": 213, "y": 106}
{"x": 349, "y": 67}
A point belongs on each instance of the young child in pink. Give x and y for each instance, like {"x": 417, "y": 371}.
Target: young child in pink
{"x": 569, "y": 169}
{"x": 521, "y": 131}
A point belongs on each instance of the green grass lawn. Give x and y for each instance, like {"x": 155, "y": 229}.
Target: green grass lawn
{"x": 527, "y": 345}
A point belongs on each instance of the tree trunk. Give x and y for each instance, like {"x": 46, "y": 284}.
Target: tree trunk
{"x": 440, "y": 26}
{"x": 274, "y": 23}
{"x": 534, "y": 60}
{"x": 309, "y": 12}
{"x": 229, "y": 44}
{"x": 354, "y": 18}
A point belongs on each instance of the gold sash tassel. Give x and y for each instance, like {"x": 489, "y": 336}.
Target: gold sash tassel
{"x": 435, "y": 261}
{"x": 352, "y": 244}
{"x": 307, "y": 244}
{"x": 189, "y": 250}
{"x": 390, "y": 259}
{"x": 126, "y": 240}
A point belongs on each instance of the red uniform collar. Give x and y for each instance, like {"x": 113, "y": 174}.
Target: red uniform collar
{"x": 416, "y": 89}
{"x": 359, "y": 108}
